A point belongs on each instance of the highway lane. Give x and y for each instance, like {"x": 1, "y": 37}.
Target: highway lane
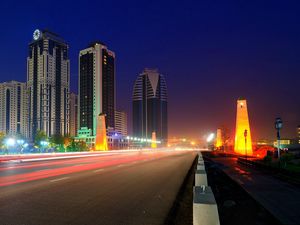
{"x": 133, "y": 188}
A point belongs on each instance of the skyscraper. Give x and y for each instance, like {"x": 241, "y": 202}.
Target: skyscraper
{"x": 96, "y": 86}
{"x": 48, "y": 83}
{"x": 243, "y": 141}
{"x": 150, "y": 105}
{"x": 73, "y": 114}
{"x": 13, "y": 108}
{"x": 121, "y": 122}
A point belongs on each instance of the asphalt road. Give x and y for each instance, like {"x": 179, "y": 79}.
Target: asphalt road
{"x": 133, "y": 188}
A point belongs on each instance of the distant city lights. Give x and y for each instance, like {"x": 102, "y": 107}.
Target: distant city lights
{"x": 142, "y": 140}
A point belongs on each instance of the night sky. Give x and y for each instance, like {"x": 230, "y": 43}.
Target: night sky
{"x": 211, "y": 53}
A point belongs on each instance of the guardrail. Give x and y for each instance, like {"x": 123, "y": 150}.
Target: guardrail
{"x": 205, "y": 209}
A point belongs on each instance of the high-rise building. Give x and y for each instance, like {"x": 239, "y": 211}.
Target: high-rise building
{"x": 150, "y": 105}
{"x": 73, "y": 114}
{"x": 298, "y": 134}
{"x": 243, "y": 141}
{"x": 121, "y": 122}
{"x": 13, "y": 108}
{"x": 96, "y": 86}
{"x": 48, "y": 84}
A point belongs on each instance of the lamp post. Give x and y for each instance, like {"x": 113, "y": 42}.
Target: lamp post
{"x": 245, "y": 135}
{"x": 278, "y": 126}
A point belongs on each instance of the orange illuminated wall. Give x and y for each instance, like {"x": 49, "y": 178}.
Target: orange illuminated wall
{"x": 101, "y": 140}
{"x": 219, "y": 142}
{"x": 242, "y": 124}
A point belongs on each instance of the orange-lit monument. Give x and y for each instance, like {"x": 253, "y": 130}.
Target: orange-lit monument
{"x": 153, "y": 141}
{"x": 243, "y": 141}
{"x": 219, "y": 142}
{"x": 101, "y": 141}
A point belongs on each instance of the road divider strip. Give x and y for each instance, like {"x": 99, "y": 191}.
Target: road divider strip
{"x": 205, "y": 209}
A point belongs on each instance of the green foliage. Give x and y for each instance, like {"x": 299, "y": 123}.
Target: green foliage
{"x": 75, "y": 146}
{"x": 2, "y": 137}
{"x": 57, "y": 139}
{"x": 40, "y": 136}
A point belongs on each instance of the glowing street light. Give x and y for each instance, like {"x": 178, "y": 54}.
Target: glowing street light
{"x": 20, "y": 142}
{"x": 44, "y": 143}
{"x": 10, "y": 142}
{"x": 210, "y": 137}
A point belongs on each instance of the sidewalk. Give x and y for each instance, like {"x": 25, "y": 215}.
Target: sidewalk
{"x": 278, "y": 197}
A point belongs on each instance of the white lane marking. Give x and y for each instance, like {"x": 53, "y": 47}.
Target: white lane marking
{"x": 59, "y": 179}
{"x": 96, "y": 171}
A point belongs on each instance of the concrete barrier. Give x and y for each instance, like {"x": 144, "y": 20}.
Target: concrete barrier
{"x": 200, "y": 178}
{"x": 200, "y": 159}
{"x": 200, "y": 166}
{"x": 205, "y": 209}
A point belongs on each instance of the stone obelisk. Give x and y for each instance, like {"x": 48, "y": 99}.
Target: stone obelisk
{"x": 243, "y": 141}
{"x": 101, "y": 140}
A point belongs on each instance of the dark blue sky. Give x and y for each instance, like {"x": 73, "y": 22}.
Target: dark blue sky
{"x": 211, "y": 53}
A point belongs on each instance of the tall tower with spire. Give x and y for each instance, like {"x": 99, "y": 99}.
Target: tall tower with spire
{"x": 243, "y": 141}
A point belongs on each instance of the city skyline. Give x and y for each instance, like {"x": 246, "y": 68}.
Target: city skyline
{"x": 209, "y": 60}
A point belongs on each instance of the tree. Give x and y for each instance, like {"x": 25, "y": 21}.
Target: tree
{"x": 67, "y": 141}
{"x": 2, "y": 137}
{"x": 40, "y": 136}
{"x": 57, "y": 141}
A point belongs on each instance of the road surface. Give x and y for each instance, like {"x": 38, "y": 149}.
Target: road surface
{"x": 132, "y": 188}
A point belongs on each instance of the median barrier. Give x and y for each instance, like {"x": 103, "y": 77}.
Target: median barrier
{"x": 205, "y": 210}
{"x": 200, "y": 178}
{"x": 200, "y": 166}
{"x": 200, "y": 159}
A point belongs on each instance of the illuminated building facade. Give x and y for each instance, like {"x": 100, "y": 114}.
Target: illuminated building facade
{"x": 121, "y": 122}
{"x": 13, "y": 108}
{"x": 150, "y": 106}
{"x": 298, "y": 134}
{"x": 48, "y": 84}
{"x": 96, "y": 87}
{"x": 242, "y": 145}
{"x": 73, "y": 114}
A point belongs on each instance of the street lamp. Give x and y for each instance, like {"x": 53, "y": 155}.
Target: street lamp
{"x": 278, "y": 126}
{"x": 245, "y": 135}
{"x": 209, "y": 140}
{"x": 10, "y": 142}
